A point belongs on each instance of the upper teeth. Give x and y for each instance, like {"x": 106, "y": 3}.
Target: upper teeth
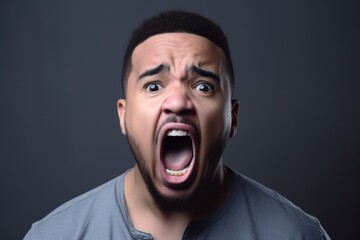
{"x": 177, "y": 133}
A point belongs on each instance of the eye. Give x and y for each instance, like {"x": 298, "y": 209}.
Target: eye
{"x": 204, "y": 87}
{"x": 153, "y": 87}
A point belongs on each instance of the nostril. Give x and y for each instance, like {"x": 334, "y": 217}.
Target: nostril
{"x": 178, "y": 104}
{"x": 179, "y": 112}
{"x": 167, "y": 111}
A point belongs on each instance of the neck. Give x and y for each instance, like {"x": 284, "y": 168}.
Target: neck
{"x": 143, "y": 210}
{"x": 213, "y": 194}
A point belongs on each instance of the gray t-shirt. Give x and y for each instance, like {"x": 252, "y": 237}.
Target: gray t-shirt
{"x": 251, "y": 211}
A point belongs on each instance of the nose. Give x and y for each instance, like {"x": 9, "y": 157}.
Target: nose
{"x": 178, "y": 102}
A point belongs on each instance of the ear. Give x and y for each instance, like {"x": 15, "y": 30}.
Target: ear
{"x": 235, "y": 105}
{"x": 121, "y": 107}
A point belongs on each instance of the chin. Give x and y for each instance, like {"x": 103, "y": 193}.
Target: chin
{"x": 175, "y": 200}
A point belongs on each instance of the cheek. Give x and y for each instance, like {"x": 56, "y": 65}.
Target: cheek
{"x": 141, "y": 114}
{"x": 140, "y": 121}
{"x": 216, "y": 120}
{"x": 214, "y": 124}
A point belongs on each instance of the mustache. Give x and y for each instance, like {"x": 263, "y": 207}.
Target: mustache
{"x": 175, "y": 119}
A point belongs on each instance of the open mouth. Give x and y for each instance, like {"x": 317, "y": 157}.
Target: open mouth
{"x": 177, "y": 152}
{"x": 177, "y": 156}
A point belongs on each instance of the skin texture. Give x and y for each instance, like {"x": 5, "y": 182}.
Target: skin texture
{"x": 165, "y": 91}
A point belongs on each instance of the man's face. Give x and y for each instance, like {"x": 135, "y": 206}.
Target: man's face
{"x": 178, "y": 113}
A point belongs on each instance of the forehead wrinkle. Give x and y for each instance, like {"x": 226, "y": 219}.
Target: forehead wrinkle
{"x": 195, "y": 66}
{"x": 179, "y": 51}
{"x": 195, "y": 62}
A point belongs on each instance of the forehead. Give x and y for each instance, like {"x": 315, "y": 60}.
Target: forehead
{"x": 176, "y": 49}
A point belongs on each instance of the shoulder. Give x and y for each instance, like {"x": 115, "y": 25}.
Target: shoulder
{"x": 69, "y": 221}
{"x": 271, "y": 213}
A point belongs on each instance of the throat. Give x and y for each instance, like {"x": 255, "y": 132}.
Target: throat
{"x": 153, "y": 221}
{"x": 177, "y": 154}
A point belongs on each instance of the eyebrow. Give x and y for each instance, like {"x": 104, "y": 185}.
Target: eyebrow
{"x": 154, "y": 71}
{"x": 163, "y": 67}
{"x": 205, "y": 73}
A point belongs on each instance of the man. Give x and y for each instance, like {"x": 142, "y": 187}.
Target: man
{"x": 177, "y": 114}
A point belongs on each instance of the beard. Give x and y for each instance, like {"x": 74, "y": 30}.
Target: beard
{"x": 192, "y": 202}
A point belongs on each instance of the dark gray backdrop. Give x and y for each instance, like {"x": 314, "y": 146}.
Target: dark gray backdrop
{"x": 297, "y": 77}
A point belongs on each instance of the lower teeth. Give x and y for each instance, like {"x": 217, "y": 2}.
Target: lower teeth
{"x": 177, "y": 173}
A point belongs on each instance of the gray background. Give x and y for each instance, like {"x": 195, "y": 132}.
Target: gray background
{"x": 297, "y": 77}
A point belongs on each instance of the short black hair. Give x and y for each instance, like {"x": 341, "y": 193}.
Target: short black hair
{"x": 174, "y": 22}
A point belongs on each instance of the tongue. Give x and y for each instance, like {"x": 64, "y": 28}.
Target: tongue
{"x": 177, "y": 152}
